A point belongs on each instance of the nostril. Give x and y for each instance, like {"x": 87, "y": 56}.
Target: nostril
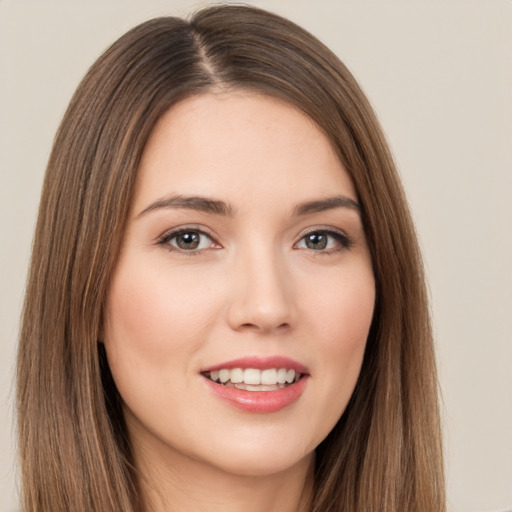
{"x": 265, "y": 327}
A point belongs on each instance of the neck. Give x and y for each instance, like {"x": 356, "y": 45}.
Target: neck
{"x": 188, "y": 485}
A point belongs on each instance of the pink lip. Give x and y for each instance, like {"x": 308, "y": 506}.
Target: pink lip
{"x": 261, "y": 363}
{"x": 260, "y": 402}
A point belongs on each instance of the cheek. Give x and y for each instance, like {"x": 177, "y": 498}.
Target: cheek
{"x": 156, "y": 308}
{"x": 341, "y": 309}
{"x": 348, "y": 323}
{"x": 340, "y": 318}
{"x": 346, "y": 318}
{"x": 154, "y": 324}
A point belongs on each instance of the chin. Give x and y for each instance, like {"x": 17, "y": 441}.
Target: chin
{"x": 263, "y": 465}
{"x": 261, "y": 453}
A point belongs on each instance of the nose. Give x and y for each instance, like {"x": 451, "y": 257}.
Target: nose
{"x": 262, "y": 298}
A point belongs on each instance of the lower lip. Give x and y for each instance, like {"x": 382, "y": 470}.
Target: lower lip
{"x": 260, "y": 402}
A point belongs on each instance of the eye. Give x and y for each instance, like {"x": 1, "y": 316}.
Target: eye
{"x": 187, "y": 240}
{"x": 324, "y": 240}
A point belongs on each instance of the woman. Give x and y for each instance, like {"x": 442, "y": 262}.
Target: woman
{"x": 226, "y": 304}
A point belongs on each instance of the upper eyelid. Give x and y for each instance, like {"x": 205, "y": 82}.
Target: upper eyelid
{"x": 164, "y": 240}
{"x": 173, "y": 232}
{"x": 322, "y": 229}
{"x": 170, "y": 233}
{"x": 342, "y": 237}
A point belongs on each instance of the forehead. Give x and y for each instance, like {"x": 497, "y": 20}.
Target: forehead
{"x": 236, "y": 146}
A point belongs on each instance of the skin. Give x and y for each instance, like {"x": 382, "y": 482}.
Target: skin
{"x": 254, "y": 287}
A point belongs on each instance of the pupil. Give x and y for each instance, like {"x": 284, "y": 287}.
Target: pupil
{"x": 188, "y": 240}
{"x": 316, "y": 241}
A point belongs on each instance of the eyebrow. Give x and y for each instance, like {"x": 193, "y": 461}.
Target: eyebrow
{"x": 218, "y": 207}
{"x": 202, "y": 204}
{"x": 328, "y": 203}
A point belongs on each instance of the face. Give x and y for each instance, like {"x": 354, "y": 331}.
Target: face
{"x": 238, "y": 313}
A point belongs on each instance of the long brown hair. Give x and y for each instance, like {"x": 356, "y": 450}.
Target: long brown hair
{"x": 385, "y": 452}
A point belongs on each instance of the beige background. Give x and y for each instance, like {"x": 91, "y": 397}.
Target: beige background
{"x": 439, "y": 73}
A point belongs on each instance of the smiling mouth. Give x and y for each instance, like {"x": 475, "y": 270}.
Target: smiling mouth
{"x": 253, "y": 379}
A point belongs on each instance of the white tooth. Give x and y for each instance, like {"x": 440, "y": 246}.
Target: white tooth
{"x": 237, "y": 375}
{"x": 252, "y": 376}
{"x": 269, "y": 377}
{"x": 224, "y": 375}
{"x": 214, "y": 375}
{"x": 281, "y": 375}
{"x": 290, "y": 376}
{"x": 260, "y": 388}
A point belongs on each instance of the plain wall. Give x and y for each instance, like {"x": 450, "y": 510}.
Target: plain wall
{"x": 439, "y": 73}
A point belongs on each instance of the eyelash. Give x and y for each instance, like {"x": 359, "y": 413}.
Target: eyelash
{"x": 344, "y": 242}
{"x": 341, "y": 238}
{"x": 167, "y": 237}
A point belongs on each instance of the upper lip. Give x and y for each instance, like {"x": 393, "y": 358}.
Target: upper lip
{"x": 261, "y": 363}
